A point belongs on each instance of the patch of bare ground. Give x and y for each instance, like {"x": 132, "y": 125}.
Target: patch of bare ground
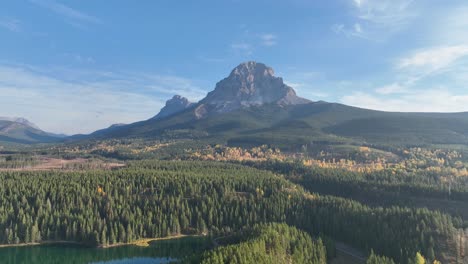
{"x": 47, "y": 163}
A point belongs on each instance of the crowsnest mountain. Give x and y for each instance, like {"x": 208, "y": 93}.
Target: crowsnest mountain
{"x": 249, "y": 84}
{"x": 252, "y": 106}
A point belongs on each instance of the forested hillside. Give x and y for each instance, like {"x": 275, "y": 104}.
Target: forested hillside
{"x": 295, "y": 125}
{"x": 158, "y": 199}
{"x": 270, "y": 243}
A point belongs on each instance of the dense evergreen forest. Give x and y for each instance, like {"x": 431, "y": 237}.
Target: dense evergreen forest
{"x": 270, "y": 243}
{"x": 158, "y": 199}
{"x": 379, "y": 188}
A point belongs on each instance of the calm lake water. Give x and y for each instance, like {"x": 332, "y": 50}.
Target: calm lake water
{"x": 159, "y": 252}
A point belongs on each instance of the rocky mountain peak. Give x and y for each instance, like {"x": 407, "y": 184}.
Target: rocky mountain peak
{"x": 252, "y": 69}
{"x": 251, "y": 83}
{"x": 177, "y": 100}
{"x": 20, "y": 120}
{"x": 174, "y": 105}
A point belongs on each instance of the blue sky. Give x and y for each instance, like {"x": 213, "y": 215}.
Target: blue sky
{"x": 77, "y": 66}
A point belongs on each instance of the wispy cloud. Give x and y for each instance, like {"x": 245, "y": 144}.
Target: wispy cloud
{"x": 242, "y": 47}
{"x": 394, "y": 88}
{"x": 385, "y": 13}
{"x": 57, "y": 101}
{"x": 309, "y": 84}
{"x": 431, "y": 100}
{"x": 268, "y": 39}
{"x": 429, "y": 79}
{"x": 377, "y": 19}
{"x": 71, "y": 15}
{"x": 171, "y": 85}
{"x": 437, "y": 67}
{"x": 354, "y": 31}
{"x": 250, "y": 41}
{"x": 448, "y": 27}
{"x": 434, "y": 59}
{"x": 11, "y": 24}
{"x": 79, "y": 58}
{"x": 447, "y": 63}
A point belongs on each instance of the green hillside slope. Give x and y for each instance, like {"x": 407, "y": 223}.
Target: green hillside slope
{"x": 15, "y": 132}
{"x": 318, "y": 122}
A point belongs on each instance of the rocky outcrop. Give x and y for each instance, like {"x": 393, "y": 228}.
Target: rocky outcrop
{"x": 173, "y": 106}
{"x": 250, "y": 84}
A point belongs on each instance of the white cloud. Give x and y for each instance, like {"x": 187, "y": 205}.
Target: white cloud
{"x": 432, "y": 78}
{"x": 251, "y": 41}
{"x": 393, "y": 88}
{"x": 434, "y": 59}
{"x": 79, "y": 58}
{"x": 386, "y": 13}
{"x": 243, "y": 48}
{"x": 377, "y": 19}
{"x": 444, "y": 64}
{"x": 307, "y": 90}
{"x": 357, "y": 28}
{"x": 171, "y": 85}
{"x": 308, "y": 84}
{"x": 72, "y": 16}
{"x": 11, "y": 24}
{"x": 435, "y": 66}
{"x": 358, "y": 2}
{"x": 340, "y": 29}
{"x": 268, "y": 39}
{"x": 449, "y": 26}
{"x": 354, "y": 31}
{"x": 432, "y": 100}
{"x": 65, "y": 105}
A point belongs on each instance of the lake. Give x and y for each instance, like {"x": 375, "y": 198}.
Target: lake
{"x": 159, "y": 252}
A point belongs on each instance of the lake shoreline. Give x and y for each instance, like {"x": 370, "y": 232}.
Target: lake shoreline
{"x": 144, "y": 242}
{"x": 48, "y": 242}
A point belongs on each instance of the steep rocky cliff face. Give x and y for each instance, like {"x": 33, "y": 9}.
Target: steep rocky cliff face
{"x": 249, "y": 84}
{"x": 174, "y": 105}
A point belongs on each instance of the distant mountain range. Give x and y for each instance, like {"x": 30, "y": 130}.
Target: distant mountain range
{"x": 20, "y": 130}
{"x": 252, "y": 106}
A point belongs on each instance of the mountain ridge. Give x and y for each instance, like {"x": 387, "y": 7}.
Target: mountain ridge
{"x": 252, "y": 107}
{"x": 20, "y": 120}
{"x": 20, "y": 130}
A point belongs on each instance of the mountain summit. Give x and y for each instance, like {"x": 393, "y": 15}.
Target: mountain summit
{"x": 173, "y": 106}
{"x": 250, "y": 84}
{"x": 19, "y": 120}
{"x": 20, "y": 130}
